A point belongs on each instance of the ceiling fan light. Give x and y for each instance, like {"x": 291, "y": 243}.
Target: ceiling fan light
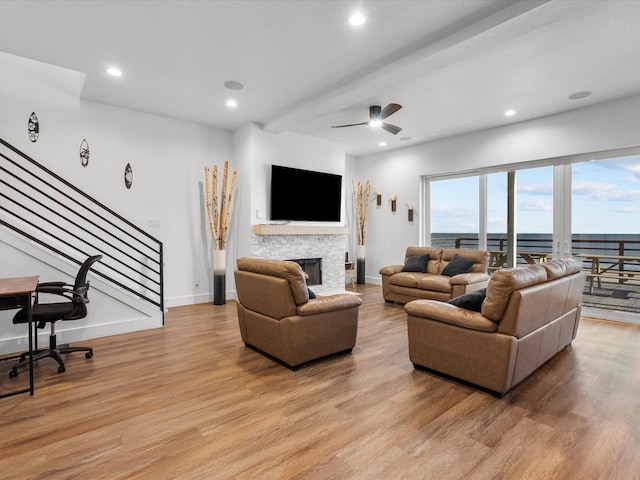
{"x": 375, "y": 123}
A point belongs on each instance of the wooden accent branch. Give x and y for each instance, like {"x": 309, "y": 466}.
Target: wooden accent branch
{"x": 219, "y": 215}
{"x": 361, "y": 198}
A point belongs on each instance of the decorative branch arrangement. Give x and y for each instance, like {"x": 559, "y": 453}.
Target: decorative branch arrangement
{"x": 361, "y": 198}
{"x": 219, "y": 217}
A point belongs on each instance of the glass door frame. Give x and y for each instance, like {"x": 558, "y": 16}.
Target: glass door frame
{"x": 562, "y": 208}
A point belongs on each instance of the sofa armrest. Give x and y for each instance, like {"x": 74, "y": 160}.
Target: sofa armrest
{"x": 330, "y": 303}
{"x": 391, "y": 270}
{"x": 468, "y": 278}
{"x": 433, "y": 310}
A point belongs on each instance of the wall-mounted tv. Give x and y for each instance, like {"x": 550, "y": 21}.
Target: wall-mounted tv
{"x": 307, "y": 195}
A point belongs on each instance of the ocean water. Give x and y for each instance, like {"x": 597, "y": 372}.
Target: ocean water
{"x": 603, "y": 244}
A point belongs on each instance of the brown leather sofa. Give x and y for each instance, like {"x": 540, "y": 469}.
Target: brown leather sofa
{"x": 529, "y": 314}
{"x": 404, "y": 286}
{"x": 277, "y": 317}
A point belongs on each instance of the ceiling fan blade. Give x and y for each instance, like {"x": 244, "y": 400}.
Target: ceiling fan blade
{"x": 391, "y": 128}
{"x": 390, "y": 110}
{"x": 349, "y": 125}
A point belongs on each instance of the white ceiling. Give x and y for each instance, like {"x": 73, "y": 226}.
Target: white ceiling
{"x": 454, "y": 65}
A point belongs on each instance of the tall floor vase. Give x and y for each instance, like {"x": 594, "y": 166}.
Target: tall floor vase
{"x": 219, "y": 277}
{"x": 360, "y": 254}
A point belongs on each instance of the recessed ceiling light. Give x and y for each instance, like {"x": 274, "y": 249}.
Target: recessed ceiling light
{"x": 382, "y": 144}
{"x": 579, "y": 95}
{"x": 510, "y": 113}
{"x": 356, "y": 19}
{"x": 233, "y": 85}
{"x": 231, "y": 103}
{"x": 114, "y": 71}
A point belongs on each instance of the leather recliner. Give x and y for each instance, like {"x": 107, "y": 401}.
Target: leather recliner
{"x": 277, "y": 317}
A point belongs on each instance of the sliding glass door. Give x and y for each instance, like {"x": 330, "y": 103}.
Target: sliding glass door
{"x": 595, "y": 217}
{"x": 454, "y": 212}
{"x": 534, "y": 214}
{"x": 605, "y": 229}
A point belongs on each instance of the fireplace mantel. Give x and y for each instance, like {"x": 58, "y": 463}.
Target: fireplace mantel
{"x": 299, "y": 230}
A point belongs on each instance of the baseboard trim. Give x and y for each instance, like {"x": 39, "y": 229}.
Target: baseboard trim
{"x": 66, "y": 332}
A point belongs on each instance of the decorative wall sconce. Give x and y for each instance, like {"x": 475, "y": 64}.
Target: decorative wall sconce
{"x": 128, "y": 176}
{"x": 33, "y": 127}
{"x": 409, "y": 212}
{"x": 84, "y": 153}
{"x": 394, "y": 199}
{"x": 378, "y": 197}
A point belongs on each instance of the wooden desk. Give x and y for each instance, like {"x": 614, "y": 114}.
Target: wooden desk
{"x": 498, "y": 258}
{"x": 17, "y": 293}
{"x": 596, "y": 272}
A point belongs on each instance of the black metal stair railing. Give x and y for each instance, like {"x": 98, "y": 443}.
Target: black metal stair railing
{"x": 44, "y": 208}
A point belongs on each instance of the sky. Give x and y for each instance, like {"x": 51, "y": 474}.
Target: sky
{"x": 605, "y": 200}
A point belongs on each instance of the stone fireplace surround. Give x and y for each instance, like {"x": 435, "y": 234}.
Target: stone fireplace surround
{"x": 284, "y": 242}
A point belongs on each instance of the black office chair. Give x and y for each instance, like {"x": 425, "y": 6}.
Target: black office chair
{"x": 42, "y": 313}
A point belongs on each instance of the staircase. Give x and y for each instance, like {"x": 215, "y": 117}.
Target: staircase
{"x": 46, "y": 219}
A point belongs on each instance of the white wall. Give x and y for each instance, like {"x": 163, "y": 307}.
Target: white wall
{"x": 608, "y": 126}
{"x": 256, "y": 150}
{"x": 167, "y": 157}
{"x": 112, "y": 311}
{"x": 351, "y": 174}
{"x": 288, "y": 149}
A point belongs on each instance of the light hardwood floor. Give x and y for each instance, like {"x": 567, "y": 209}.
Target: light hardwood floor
{"x": 189, "y": 401}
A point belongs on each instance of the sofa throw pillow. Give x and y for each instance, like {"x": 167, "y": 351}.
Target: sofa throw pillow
{"x": 416, "y": 263}
{"x": 470, "y": 301}
{"x": 456, "y": 266}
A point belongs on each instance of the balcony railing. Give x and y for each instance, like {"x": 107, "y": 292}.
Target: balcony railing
{"x": 581, "y": 244}
{"x": 613, "y": 282}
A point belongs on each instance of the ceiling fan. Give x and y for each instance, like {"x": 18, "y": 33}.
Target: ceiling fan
{"x": 376, "y": 117}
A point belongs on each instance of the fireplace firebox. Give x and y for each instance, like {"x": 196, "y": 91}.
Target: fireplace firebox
{"x": 312, "y": 267}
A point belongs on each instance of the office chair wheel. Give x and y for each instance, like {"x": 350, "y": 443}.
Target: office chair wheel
{"x": 88, "y": 354}
{"x": 61, "y": 369}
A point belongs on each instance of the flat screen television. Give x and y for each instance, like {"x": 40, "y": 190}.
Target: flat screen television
{"x": 306, "y": 195}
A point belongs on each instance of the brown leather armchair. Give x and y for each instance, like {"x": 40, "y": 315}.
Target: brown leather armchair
{"x": 277, "y": 317}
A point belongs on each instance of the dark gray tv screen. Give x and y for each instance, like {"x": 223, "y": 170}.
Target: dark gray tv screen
{"x": 306, "y": 195}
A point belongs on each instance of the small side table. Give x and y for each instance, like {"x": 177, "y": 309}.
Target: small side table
{"x": 350, "y": 273}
